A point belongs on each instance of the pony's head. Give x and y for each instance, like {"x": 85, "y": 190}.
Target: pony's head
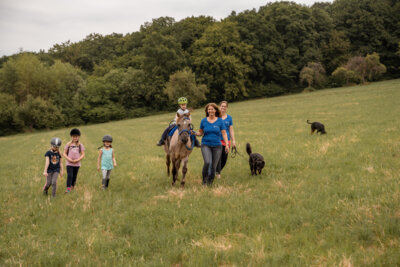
{"x": 184, "y": 127}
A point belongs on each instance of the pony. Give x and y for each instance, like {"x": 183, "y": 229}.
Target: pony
{"x": 178, "y": 148}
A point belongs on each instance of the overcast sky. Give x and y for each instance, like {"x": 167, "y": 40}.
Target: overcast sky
{"x": 32, "y": 25}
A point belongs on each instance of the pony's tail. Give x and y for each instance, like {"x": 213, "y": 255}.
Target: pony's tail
{"x": 309, "y": 122}
{"x": 248, "y": 149}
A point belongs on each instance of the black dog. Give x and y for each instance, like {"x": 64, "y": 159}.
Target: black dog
{"x": 317, "y": 126}
{"x": 256, "y": 161}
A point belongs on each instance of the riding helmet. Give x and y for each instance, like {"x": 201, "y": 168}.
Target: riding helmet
{"x": 107, "y": 138}
{"x": 75, "y": 131}
{"x": 55, "y": 141}
{"x": 182, "y": 100}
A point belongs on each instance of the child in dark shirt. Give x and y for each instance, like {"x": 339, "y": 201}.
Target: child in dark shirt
{"x": 53, "y": 166}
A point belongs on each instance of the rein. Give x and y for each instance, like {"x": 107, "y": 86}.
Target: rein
{"x": 235, "y": 152}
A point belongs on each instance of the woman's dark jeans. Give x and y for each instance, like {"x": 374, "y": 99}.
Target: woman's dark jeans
{"x": 211, "y": 156}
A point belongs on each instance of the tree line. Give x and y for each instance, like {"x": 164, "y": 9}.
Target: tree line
{"x": 279, "y": 48}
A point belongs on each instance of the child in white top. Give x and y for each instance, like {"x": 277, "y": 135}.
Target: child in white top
{"x": 182, "y": 101}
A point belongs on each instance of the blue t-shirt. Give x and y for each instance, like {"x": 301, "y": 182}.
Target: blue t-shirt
{"x": 228, "y": 123}
{"x": 212, "y": 132}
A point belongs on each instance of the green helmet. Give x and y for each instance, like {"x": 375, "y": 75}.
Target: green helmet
{"x": 182, "y": 100}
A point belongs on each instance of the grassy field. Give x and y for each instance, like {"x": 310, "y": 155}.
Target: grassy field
{"x": 331, "y": 200}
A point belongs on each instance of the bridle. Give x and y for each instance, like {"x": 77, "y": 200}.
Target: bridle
{"x": 191, "y": 136}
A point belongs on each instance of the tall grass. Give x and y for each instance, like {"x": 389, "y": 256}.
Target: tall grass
{"x": 321, "y": 200}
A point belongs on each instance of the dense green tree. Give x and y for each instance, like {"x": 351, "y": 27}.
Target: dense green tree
{"x": 161, "y": 25}
{"x": 358, "y": 65}
{"x": 183, "y": 83}
{"x": 97, "y": 101}
{"x": 336, "y": 51}
{"x": 190, "y": 29}
{"x": 221, "y": 61}
{"x": 38, "y": 113}
{"x": 162, "y": 55}
{"x": 374, "y": 67}
{"x": 9, "y": 120}
{"x": 313, "y": 73}
{"x": 26, "y": 75}
{"x": 343, "y": 76}
{"x": 371, "y": 26}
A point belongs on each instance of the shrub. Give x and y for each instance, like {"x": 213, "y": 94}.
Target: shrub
{"x": 183, "y": 83}
{"x": 40, "y": 114}
{"x": 9, "y": 121}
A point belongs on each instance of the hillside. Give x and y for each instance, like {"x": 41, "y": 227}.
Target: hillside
{"x": 321, "y": 200}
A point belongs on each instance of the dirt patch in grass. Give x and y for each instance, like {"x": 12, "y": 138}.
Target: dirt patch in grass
{"x": 222, "y": 243}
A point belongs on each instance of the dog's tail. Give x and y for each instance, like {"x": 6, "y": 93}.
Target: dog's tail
{"x": 248, "y": 149}
{"x": 309, "y": 122}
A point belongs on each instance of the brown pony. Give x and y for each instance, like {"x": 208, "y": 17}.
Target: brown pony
{"x": 178, "y": 148}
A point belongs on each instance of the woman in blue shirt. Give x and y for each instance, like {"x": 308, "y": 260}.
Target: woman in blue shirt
{"x": 212, "y": 128}
{"x": 227, "y": 119}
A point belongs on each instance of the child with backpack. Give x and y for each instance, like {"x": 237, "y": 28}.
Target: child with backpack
{"x": 106, "y": 160}
{"x": 182, "y": 102}
{"x": 53, "y": 166}
{"x": 74, "y": 152}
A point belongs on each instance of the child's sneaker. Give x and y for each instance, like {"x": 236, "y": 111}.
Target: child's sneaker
{"x": 45, "y": 193}
{"x": 68, "y": 190}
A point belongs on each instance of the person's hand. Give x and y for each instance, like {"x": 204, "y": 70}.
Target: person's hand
{"x": 227, "y": 149}
{"x": 61, "y": 174}
{"x": 98, "y": 168}
{"x": 45, "y": 174}
{"x": 115, "y": 164}
{"x": 233, "y": 144}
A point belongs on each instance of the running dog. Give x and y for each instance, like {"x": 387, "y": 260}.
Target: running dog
{"x": 317, "y": 126}
{"x": 256, "y": 161}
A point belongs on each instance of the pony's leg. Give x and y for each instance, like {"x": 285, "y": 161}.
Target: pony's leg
{"x": 168, "y": 162}
{"x": 174, "y": 172}
{"x": 184, "y": 171}
{"x": 177, "y": 165}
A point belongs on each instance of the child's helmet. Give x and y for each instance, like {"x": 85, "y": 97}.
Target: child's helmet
{"x": 182, "y": 100}
{"x": 107, "y": 138}
{"x": 75, "y": 131}
{"x": 55, "y": 141}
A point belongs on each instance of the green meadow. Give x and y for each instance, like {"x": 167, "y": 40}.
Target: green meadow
{"x": 330, "y": 200}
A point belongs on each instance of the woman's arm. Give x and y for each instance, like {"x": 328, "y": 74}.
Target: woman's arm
{"x": 225, "y": 137}
{"x": 232, "y": 133}
{"x": 46, "y": 165}
{"x": 200, "y": 132}
{"x": 113, "y": 158}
